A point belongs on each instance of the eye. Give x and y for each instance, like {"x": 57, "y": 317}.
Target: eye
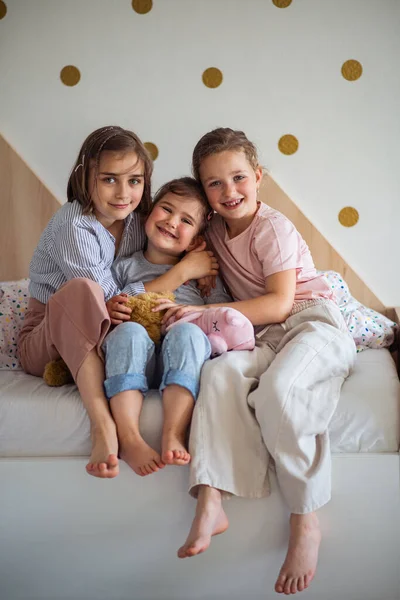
{"x": 215, "y": 326}
{"x": 214, "y": 183}
{"x": 134, "y": 181}
{"x": 109, "y": 179}
{"x": 187, "y": 221}
{"x": 238, "y": 177}
{"x": 166, "y": 208}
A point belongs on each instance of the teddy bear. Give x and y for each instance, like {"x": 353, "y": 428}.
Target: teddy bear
{"x": 226, "y": 328}
{"x": 56, "y": 372}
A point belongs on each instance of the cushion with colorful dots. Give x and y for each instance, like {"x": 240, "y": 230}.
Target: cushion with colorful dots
{"x": 13, "y": 304}
{"x": 369, "y": 328}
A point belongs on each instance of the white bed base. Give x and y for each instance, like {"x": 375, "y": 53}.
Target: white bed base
{"x": 67, "y": 536}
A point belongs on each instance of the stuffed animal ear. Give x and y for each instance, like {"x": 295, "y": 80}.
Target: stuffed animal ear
{"x": 235, "y": 318}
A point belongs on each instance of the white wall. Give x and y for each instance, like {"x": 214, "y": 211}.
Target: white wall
{"x": 282, "y": 74}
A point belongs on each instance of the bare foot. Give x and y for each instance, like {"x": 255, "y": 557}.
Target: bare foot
{"x": 210, "y": 519}
{"x": 103, "y": 461}
{"x": 300, "y": 564}
{"x": 140, "y": 456}
{"x": 174, "y": 451}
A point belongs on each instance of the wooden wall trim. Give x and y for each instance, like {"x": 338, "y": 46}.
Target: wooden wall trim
{"x": 26, "y": 207}
{"x": 324, "y": 255}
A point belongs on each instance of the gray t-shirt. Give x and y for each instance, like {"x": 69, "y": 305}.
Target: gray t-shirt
{"x": 138, "y": 268}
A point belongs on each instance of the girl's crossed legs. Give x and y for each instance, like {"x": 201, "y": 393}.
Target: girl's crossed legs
{"x": 130, "y": 364}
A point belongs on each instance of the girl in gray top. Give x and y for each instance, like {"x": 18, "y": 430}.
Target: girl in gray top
{"x": 133, "y": 364}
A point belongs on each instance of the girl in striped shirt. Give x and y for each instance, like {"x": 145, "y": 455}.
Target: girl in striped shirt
{"x": 70, "y": 274}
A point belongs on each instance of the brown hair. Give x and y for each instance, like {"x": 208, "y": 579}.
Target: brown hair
{"x": 112, "y": 139}
{"x": 189, "y": 187}
{"x": 220, "y": 140}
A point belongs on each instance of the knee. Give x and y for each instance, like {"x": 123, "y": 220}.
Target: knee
{"x": 128, "y": 334}
{"x": 80, "y": 287}
{"x": 187, "y": 333}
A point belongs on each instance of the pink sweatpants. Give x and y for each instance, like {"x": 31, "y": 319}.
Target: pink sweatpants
{"x": 73, "y": 322}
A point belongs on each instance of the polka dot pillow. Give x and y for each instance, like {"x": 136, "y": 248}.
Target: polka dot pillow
{"x": 369, "y": 328}
{"x": 13, "y": 304}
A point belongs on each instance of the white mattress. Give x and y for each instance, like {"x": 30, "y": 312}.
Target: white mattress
{"x": 36, "y": 420}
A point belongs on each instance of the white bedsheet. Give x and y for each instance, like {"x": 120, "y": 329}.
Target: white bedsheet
{"x": 36, "y": 420}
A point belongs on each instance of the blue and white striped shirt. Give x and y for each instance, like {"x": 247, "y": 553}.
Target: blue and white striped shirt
{"x": 77, "y": 245}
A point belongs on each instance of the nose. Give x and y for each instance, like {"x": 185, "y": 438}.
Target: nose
{"x": 229, "y": 188}
{"x": 172, "y": 220}
{"x": 122, "y": 191}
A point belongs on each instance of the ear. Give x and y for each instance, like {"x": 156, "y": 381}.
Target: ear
{"x": 259, "y": 174}
{"x": 196, "y": 241}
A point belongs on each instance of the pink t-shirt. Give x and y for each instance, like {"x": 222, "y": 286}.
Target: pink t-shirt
{"x": 269, "y": 245}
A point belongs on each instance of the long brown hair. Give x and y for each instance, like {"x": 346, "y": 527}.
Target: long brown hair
{"x": 220, "y": 140}
{"x": 113, "y": 139}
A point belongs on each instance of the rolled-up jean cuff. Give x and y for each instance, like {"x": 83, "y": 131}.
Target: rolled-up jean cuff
{"x": 175, "y": 377}
{"x": 122, "y": 383}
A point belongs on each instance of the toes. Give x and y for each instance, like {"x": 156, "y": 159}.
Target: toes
{"x": 150, "y": 468}
{"x": 177, "y": 457}
{"x": 294, "y": 586}
{"x": 182, "y": 552}
{"x": 153, "y": 466}
{"x": 95, "y": 470}
{"x": 280, "y": 584}
{"x": 146, "y": 470}
{"x": 112, "y": 461}
{"x": 168, "y": 457}
{"x": 287, "y": 586}
{"x": 300, "y": 584}
{"x": 104, "y": 469}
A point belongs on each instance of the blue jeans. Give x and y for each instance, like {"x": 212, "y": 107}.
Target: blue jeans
{"x": 133, "y": 362}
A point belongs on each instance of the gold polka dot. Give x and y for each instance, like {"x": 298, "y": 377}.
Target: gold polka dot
{"x": 352, "y": 70}
{"x": 348, "y": 216}
{"x": 3, "y": 9}
{"x": 151, "y": 149}
{"x": 282, "y": 3}
{"x": 70, "y": 75}
{"x": 288, "y": 144}
{"x": 212, "y": 77}
{"x": 142, "y": 6}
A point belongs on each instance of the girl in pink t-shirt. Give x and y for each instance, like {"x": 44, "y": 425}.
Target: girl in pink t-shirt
{"x": 277, "y": 400}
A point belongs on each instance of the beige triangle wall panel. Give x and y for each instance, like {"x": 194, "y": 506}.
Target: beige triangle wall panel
{"x": 28, "y": 206}
{"x": 325, "y": 256}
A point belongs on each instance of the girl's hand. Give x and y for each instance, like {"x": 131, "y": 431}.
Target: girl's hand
{"x": 199, "y": 263}
{"x": 175, "y": 311}
{"x": 206, "y": 284}
{"x": 117, "y": 309}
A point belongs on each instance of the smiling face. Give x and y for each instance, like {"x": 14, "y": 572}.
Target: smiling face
{"x": 173, "y": 225}
{"x": 116, "y": 186}
{"x": 231, "y": 186}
